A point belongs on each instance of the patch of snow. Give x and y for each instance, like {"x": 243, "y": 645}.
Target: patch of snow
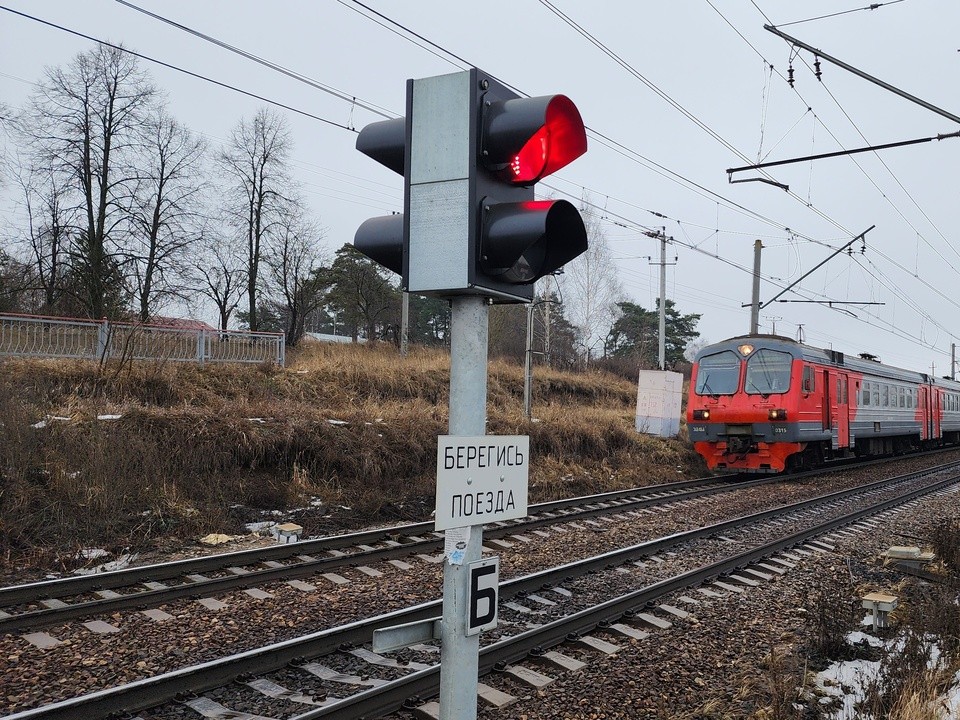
{"x": 120, "y": 563}
{"x": 338, "y": 422}
{"x": 951, "y": 703}
{"x": 48, "y": 419}
{"x": 109, "y": 417}
{"x": 93, "y": 553}
{"x": 258, "y": 421}
{"x": 857, "y": 638}
{"x": 845, "y": 682}
{"x": 258, "y": 527}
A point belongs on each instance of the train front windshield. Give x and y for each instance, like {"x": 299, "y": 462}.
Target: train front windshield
{"x": 718, "y": 374}
{"x": 768, "y": 372}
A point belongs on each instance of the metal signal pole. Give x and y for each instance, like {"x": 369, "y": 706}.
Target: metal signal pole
{"x": 662, "y": 328}
{"x": 755, "y": 303}
{"x": 460, "y": 659}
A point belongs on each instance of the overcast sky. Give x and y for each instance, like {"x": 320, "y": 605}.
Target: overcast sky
{"x": 682, "y": 91}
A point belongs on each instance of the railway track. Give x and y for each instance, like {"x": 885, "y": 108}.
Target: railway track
{"x": 540, "y": 611}
{"x": 36, "y": 605}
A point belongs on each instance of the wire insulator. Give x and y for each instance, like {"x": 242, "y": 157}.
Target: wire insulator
{"x": 790, "y": 76}
{"x": 816, "y": 68}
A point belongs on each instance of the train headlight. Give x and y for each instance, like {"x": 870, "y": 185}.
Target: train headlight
{"x": 701, "y": 414}
{"x": 778, "y": 414}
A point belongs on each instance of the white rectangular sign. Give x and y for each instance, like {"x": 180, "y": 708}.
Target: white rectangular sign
{"x": 481, "y": 479}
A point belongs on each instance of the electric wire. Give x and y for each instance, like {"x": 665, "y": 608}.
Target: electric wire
{"x": 673, "y": 103}
{"x": 863, "y": 170}
{"x": 867, "y": 175}
{"x": 169, "y": 66}
{"x": 871, "y": 6}
{"x": 619, "y": 147}
{"x": 376, "y": 109}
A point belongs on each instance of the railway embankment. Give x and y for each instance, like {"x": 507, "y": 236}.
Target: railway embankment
{"x": 150, "y": 457}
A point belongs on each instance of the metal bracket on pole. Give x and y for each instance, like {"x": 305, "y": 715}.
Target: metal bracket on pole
{"x": 401, "y": 636}
{"x": 816, "y": 267}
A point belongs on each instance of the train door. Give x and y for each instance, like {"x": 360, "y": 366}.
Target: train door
{"x": 924, "y": 405}
{"x": 936, "y": 412}
{"x": 841, "y": 435}
{"x": 826, "y": 411}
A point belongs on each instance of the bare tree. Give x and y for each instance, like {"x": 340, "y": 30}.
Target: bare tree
{"x": 84, "y": 125}
{"x": 46, "y": 237}
{"x": 165, "y": 213}
{"x": 254, "y": 159}
{"x": 294, "y": 260}
{"x": 219, "y": 275}
{"x": 591, "y": 291}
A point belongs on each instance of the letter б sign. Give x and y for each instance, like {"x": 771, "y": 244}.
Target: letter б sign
{"x": 481, "y": 479}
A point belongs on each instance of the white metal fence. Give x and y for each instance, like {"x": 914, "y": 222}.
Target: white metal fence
{"x": 34, "y": 335}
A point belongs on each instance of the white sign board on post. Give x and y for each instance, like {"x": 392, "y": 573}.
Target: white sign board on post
{"x": 481, "y": 479}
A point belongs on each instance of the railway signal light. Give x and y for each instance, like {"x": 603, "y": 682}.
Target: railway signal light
{"x": 471, "y": 151}
{"x": 522, "y": 140}
{"x": 383, "y": 239}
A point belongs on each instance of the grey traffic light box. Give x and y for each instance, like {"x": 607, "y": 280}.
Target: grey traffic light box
{"x": 442, "y": 141}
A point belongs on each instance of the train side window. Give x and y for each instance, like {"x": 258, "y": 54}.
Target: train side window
{"x": 875, "y": 392}
{"x": 809, "y": 383}
{"x": 866, "y": 394}
{"x": 909, "y": 398}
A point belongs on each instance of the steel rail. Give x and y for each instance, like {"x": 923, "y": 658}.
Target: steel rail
{"x": 150, "y": 692}
{"x": 425, "y": 683}
{"x": 76, "y": 585}
{"x": 13, "y": 595}
{"x": 32, "y": 619}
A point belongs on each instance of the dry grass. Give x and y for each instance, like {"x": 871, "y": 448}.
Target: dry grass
{"x": 926, "y": 659}
{"x": 192, "y": 441}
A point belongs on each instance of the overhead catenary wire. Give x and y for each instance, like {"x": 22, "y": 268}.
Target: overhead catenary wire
{"x": 712, "y": 195}
{"x": 300, "y": 77}
{"x": 867, "y": 175}
{"x": 176, "y": 68}
{"x": 871, "y": 6}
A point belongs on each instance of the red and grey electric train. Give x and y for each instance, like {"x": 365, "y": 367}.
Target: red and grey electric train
{"x": 763, "y": 403}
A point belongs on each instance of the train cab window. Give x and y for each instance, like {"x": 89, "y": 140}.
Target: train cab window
{"x": 718, "y": 374}
{"x": 809, "y": 381}
{"x": 768, "y": 372}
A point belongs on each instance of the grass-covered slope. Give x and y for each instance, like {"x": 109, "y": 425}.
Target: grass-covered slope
{"x": 122, "y": 455}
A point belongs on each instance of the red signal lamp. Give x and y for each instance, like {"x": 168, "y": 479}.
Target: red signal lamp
{"x": 527, "y": 139}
